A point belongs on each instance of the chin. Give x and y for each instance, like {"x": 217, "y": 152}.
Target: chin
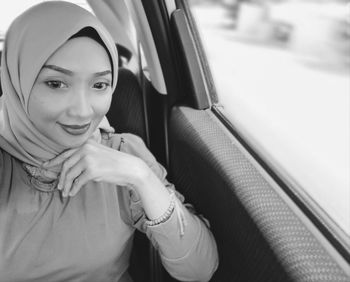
{"x": 73, "y": 141}
{"x": 71, "y": 144}
{"x": 68, "y": 141}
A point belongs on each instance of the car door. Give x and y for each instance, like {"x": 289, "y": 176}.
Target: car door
{"x": 265, "y": 229}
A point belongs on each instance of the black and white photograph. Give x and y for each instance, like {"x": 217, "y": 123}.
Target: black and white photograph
{"x": 175, "y": 140}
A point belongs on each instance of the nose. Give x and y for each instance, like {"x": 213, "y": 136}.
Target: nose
{"x": 81, "y": 104}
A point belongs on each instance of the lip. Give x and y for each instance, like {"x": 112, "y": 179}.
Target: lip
{"x": 75, "y": 129}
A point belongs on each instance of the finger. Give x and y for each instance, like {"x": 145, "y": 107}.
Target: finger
{"x": 49, "y": 174}
{"x": 79, "y": 182}
{"x": 72, "y": 175}
{"x": 59, "y": 159}
{"x": 67, "y": 165}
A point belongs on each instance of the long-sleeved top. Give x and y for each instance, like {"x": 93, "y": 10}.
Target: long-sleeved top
{"x": 88, "y": 237}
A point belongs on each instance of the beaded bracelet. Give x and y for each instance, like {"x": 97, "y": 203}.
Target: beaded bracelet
{"x": 166, "y": 215}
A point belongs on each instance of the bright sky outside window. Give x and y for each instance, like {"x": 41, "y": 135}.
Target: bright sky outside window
{"x": 282, "y": 72}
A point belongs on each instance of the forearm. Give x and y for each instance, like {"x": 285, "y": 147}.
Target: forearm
{"x": 191, "y": 256}
{"x": 186, "y": 245}
{"x": 153, "y": 194}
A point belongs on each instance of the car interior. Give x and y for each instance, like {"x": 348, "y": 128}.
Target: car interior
{"x": 263, "y": 230}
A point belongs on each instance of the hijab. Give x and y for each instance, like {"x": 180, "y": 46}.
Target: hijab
{"x": 31, "y": 39}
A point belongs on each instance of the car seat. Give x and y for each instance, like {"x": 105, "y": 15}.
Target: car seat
{"x": 126, "y": 115}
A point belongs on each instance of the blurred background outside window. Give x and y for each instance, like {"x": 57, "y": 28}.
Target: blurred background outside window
{"x": 282, "y": 73}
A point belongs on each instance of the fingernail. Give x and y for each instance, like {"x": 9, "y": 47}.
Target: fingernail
{"x": 59, "y": 186}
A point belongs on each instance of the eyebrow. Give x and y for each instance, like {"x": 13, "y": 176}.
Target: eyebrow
{"x": 102, "y": 73}
{"x": 69, "y": 72}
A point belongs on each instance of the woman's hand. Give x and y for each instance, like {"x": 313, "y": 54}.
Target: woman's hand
{"x": 96, "y": 162}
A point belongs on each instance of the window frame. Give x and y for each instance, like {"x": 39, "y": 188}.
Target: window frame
{"x": 334, "y": 234}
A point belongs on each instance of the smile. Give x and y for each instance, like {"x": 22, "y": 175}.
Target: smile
{"x": 75, "y": 129}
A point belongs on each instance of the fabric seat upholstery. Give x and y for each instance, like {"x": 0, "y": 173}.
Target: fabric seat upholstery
{"x": 126, "y": 113}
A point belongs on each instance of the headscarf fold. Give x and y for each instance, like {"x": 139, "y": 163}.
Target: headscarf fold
{"x": 31, "y": 39}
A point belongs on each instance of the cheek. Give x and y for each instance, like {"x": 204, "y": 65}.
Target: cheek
{"x": 102, "y": 104}
{"x": 42, "y": 110}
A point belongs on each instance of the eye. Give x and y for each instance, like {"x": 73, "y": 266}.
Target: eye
{"x": 101, "y": 85}
{"x": 55, "y": 84}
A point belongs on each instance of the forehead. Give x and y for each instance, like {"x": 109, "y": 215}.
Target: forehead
{"x": 81, "y": 53}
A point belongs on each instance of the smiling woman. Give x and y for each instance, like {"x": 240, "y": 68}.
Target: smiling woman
{"x": 72, "y": 193}
{"x": 70, "y": 95}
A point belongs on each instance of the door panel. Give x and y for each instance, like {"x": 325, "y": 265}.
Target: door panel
{"x": 261, "y": 234}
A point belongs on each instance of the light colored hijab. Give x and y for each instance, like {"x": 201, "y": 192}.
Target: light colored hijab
{"x": 31, "y": 39}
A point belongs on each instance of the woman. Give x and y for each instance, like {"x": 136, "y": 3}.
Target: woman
{"x": 71, "y": 192}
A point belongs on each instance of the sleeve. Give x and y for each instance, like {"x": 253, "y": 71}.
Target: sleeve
{"x": 186, "y": 246}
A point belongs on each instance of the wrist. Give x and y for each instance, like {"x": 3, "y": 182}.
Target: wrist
{"x": 141, "y": 175}
{"x": 154, "y": 196}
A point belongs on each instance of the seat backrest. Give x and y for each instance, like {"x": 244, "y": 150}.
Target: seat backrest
{"x": 126, "y": 113}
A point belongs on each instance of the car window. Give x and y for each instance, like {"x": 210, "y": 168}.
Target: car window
{"x": 282, "y": 74}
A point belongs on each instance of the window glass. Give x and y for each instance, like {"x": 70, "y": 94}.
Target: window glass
{"x": 282, "y": 74}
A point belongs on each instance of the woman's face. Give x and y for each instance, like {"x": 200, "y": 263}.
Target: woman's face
{"x": 72, "y": 92}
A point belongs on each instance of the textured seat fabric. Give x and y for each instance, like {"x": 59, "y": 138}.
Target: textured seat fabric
{"x": 260, "y": 237}
{"x": 126, "y": 113}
